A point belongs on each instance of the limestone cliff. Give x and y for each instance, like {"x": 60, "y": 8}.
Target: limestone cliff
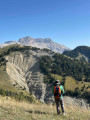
{"x": 43, "y": 43}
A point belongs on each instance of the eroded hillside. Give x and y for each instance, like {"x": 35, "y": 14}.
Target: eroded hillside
{"x": 23, "y": 69}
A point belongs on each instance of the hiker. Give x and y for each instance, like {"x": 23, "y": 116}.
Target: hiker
{"x": 58, "y": 90}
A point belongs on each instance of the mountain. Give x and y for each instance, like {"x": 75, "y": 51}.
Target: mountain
{"x": 80, "y": 52}
{"x": 33, "y": 70}
{"x": 39, "y": 43}
{"x": 43, "y": 43}
{"x": 8, "y": 43}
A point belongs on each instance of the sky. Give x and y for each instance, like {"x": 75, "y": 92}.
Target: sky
{"x": 66, "y": 22}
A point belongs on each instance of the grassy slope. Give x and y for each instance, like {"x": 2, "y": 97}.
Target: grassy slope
{"x": 14, "y": 110}
{"x": 57, "y": 77}
{"x": 71, "y": 84}
{"x": 5, "y": 83}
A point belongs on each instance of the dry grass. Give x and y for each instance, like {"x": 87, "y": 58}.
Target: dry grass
{"x": 14, "y": 110}
{"x": 5, "y": 83}
{"x": 57, "y": 77}
{"x": 74, "y": 84}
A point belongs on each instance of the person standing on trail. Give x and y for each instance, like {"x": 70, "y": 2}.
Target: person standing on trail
{"x": 58, "y": 90}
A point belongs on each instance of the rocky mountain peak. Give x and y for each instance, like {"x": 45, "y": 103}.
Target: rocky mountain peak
{"x": 46, "y": 40}
{"x": 26, "y": 39}
{"x": 38, "y": 43}
{"x": 30, "y": 39}
{"x": 43, "y": 43}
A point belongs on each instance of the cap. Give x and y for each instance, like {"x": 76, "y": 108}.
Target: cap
{"x": 57, "y": 82}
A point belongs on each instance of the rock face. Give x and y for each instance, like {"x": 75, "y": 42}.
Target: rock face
{"x": 23, "y": 69}
{"x": 43, "y": 43}
{"x": 39, "y": 43}
{"x": 76, "y": 102}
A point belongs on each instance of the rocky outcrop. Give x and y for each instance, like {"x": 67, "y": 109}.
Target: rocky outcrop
{"x": 82, "y": 57}
{"x": 70, "y": 101}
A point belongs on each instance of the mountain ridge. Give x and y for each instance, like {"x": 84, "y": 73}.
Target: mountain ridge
{"x": 39, "y": 43}
{"x": 80, "y": 52}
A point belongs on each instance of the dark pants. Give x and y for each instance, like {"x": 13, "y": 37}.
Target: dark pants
{"x": 59, "y": 101}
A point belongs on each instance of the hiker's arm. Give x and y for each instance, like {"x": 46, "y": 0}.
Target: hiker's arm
{"x": 62, "y": 90}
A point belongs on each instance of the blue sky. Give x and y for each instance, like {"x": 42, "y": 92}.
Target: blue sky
{"x": 64, "y": 21}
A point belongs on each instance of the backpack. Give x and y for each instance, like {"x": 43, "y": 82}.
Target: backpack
{"x": 57, "y": 92}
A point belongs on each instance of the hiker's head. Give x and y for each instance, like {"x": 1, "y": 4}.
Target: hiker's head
{"x": 57, "y": 82}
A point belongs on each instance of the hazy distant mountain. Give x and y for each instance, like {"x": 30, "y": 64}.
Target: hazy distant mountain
{"x": 80, "y": 52}
{"x": 8, "y": 43}
{"x": 43, "y": 43}
{"x": 39, "y": 43}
